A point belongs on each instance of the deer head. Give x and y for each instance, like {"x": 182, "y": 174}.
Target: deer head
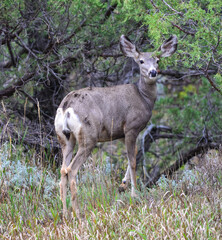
{"x": 147, "y": 61}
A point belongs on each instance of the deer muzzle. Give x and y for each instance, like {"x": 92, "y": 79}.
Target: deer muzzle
{"x": 153, "y": 73}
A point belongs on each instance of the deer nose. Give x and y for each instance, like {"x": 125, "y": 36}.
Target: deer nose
{"x": 153, "y": 73}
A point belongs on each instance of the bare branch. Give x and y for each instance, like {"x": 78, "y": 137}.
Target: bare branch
{"x": 10, "y": 90}
{"x": 8, "y": 64}
{"x": 26, "y": 47}
{"x": 179, "y": 13}
{"x": 179, "y": 74}
{"x": 64, "y": 61}
{"x": 10, "y": 36}
{"x": 67, "y": 39}
{"x": 11, "y": 53}
{"x": 109, "y": 12}
{"x": 181, "y": 29}
{"x": 36, "y": 103}
{"x": 154, "y": 5}
{"x": 212, "y": 83}
{"x": 208, "y": 77}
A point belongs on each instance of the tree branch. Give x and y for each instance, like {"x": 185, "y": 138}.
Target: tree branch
{"x": 67, "y": 39}
{"x": 207, "y": 75}
{"x": 183, "y": 158}
{"x": 183, "y": 30}
{"x": 154, "y": 5}
{"x": 212, "y": 83}
{"x": 179, "y": 13}
{"x": 10, "y": 90}
{"x": 10, "y": 36}
{"x": 11, "y": 53}
{"x": 178, "y": 74}
{"x": 8, "y": 64}
{"x": 109, "y": 12}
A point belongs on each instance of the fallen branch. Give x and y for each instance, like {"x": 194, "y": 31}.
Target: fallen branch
{"x": 151, "y": 134}
{"x": 183, "y": 158}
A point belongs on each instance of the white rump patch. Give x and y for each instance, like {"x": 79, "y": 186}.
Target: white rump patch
{"x": 73, "y": 121}
{"x": 59, "y": 119}
{"x": 67, "y": 119}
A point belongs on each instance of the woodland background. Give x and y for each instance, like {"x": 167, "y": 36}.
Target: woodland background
{"x": 50, "y": 47}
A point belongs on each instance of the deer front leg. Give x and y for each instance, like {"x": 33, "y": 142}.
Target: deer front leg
{"x": 130, "y": 140}
{"x": 123, "y": 186}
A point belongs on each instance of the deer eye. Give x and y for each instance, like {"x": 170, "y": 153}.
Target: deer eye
{"x": 141, "y": 61}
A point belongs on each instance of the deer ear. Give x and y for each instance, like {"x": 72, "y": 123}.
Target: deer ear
{"x": 169, "y": 47}
{"x": 128, "y": 48}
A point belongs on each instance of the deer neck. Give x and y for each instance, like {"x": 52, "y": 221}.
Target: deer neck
{"x": 148, "y": 91}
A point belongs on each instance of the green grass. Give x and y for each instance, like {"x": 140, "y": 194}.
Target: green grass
{"x": 29, "y": 210}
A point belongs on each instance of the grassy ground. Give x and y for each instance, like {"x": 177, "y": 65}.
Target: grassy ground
{"x": 187, "y": 207}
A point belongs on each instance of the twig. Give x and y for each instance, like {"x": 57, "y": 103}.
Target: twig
{"x": 35, "y": 101}
{"x": 10, "y": 36}
{"x": 26, "y": 47}
{"x": 179, "y": 74}
{"x": 109, "y": 12}
{"x": 10, "y": 90}
{"x": 208, "y": 77}
{"x": 212, "y": 83}
{"x": 154, "y": 5}
{"x": 181, "y": 29}
{"x": 179, "y": 13}
{"x": 10, "y": 52}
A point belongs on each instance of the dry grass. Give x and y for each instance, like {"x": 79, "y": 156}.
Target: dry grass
{"x": 185, "y": 209}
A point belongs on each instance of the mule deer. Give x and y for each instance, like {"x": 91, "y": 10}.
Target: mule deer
{"x": 96, "y": 115}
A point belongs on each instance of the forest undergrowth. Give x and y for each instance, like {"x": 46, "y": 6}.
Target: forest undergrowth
{"x": 188, "y": 206}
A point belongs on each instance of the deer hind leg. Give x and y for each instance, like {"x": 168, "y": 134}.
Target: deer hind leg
{"x": 81, "y": 156}
{"x": 67, "y": 151}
